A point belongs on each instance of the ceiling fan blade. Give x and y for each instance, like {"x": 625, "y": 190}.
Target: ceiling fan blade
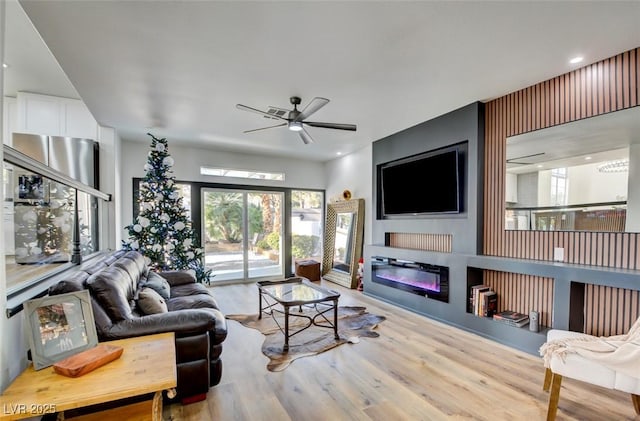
{"x": 337, "y": 126}
{"x": 306, "y": 137}
{"x": 262, "y": 113}
{"x": 265, "y": 128}
{"x": 315, "y": 104}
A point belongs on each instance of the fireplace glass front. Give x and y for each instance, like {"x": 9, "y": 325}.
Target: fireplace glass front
{"x": 431, "y": 281}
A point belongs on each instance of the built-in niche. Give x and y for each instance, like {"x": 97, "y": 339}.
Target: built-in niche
{"x": 601, "y": 310}
{"x": 419, "y": 241}
{"x": 522, "y": 295}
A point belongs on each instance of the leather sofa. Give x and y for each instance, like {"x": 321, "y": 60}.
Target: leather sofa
{"x": 114, "y": 282}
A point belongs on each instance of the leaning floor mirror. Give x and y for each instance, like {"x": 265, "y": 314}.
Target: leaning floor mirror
{"x": 344, "y": 230}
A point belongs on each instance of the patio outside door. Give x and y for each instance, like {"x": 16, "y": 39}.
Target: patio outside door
{"x": 242, "y": 233}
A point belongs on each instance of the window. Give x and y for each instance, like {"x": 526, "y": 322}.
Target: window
{"x": 307, "y": 221}
{"x": 244, "y": 229}
{"x": 243, "y": 233}
{"x": 559, "y": 186}
{"x": 227, "y": 172}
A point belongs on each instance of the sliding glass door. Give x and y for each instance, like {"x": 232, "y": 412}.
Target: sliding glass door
{"x": 307, "y": 220}
{"x": 242, "y": 232}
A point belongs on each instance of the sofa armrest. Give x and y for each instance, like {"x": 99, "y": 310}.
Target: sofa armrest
{"x": 182, "y": 322}
{"x": 219, "y": 333}
{"x": 178, "y": 277}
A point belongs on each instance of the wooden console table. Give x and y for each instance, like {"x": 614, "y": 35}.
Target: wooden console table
{"x": 146, "y": 366}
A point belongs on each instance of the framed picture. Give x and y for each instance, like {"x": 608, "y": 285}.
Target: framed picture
{"x": 59, "y": 326}
{"x": 30, "y": 186}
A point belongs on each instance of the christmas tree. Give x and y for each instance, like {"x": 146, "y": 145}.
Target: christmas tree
{"x": 162, "y": 231}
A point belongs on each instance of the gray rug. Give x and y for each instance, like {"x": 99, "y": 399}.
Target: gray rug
{"x": 353, "y": 323}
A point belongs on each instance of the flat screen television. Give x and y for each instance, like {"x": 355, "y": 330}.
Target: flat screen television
{"x": 429, "y": 183}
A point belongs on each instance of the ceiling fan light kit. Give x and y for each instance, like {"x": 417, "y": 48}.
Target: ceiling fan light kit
{"x": 295, "y": 126}
{"x": 295, "y": 120}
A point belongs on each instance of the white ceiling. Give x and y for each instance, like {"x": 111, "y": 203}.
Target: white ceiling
{"x": 32, "y": 67}
{"x": 181, "y": 66}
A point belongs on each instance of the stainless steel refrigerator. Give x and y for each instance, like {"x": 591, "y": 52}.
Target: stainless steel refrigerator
{"x": 74, "y": 157}
{"x": 43, "y": 209}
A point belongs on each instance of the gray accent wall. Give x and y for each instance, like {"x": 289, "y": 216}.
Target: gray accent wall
{"x": 466, "y": 262}
{"x": 463, "y": 126}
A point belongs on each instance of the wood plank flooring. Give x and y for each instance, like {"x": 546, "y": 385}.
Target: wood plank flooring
{"x": 17, "y": 274}
{"x": 418, "y": 369}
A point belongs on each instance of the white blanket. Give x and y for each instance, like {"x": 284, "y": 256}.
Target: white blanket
{"x": 619, "y": 353}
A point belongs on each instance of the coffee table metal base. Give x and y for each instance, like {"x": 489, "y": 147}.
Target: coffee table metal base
{"x": 323, "y": 302}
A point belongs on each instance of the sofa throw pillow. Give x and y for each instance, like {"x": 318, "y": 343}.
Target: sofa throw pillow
{"x": 158, "y": 284}
{"x": 150, "y": 302}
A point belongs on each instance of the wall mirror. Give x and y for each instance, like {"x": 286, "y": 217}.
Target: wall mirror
{"x": 343, "y": 235}
{"x": 578, "y": 176}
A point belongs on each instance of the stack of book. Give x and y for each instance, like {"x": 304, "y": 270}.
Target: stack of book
{"x": 483, "y": 301}
{"x": 512, "y": 318}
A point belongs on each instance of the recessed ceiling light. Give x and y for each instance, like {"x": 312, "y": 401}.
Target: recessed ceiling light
{"x": 539, "y": 165}
{"x": 338, "y": 153}
{"x": 5, "y": 65}
{"x": 577, "y": 59}
{"x": 587, "y": 158}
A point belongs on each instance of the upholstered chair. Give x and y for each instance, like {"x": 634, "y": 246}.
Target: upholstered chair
{"x": 612, "y": 362}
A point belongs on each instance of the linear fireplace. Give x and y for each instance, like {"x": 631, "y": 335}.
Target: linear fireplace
{"x": 418, "y": 278}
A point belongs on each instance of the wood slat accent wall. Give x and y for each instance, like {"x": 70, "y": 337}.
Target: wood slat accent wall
{"x": 522, "y": 293}
{"x": 428, "y": 242}
{"x": 609, "y": 311}
{"x": 609, "y": 85}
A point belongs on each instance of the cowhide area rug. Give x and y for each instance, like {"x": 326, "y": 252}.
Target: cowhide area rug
{"x": 353, "y": 323}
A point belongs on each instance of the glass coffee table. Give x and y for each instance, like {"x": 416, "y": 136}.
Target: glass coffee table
{"x": 298, "y": 292}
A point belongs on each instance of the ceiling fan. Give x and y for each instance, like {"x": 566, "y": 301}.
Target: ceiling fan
{"x": 294, "y": 119}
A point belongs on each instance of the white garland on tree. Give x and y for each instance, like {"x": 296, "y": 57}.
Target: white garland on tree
{"x": 162, "y": 231}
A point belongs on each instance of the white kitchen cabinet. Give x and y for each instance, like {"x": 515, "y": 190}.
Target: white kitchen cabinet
{"x": 9, "y": 237}
{"x": 511, "y": 188}
{"x": 8, "y": 210}
{"x": 78, "y": 121}
{"x": 38, "y": 114}
{"x": 54, "y": 116}
{"x": 9, "y": 118}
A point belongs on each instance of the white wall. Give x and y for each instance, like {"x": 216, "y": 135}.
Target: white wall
{"x": 13, "y": 357}
{"x": 188, "y": 160}
{"x": 633, "y": 199}
{"x": 527, "y": 189}
{"x": 4, "y": 362}
{"x": 588, "y": 185}
{"x": 544, "y": 188}
{"x": 353, "y": 172}
{"x": 110, "y": 182}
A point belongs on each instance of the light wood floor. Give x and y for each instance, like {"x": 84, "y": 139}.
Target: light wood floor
{"x": 17, "y": 274}
{"x": 418, "y": 369}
